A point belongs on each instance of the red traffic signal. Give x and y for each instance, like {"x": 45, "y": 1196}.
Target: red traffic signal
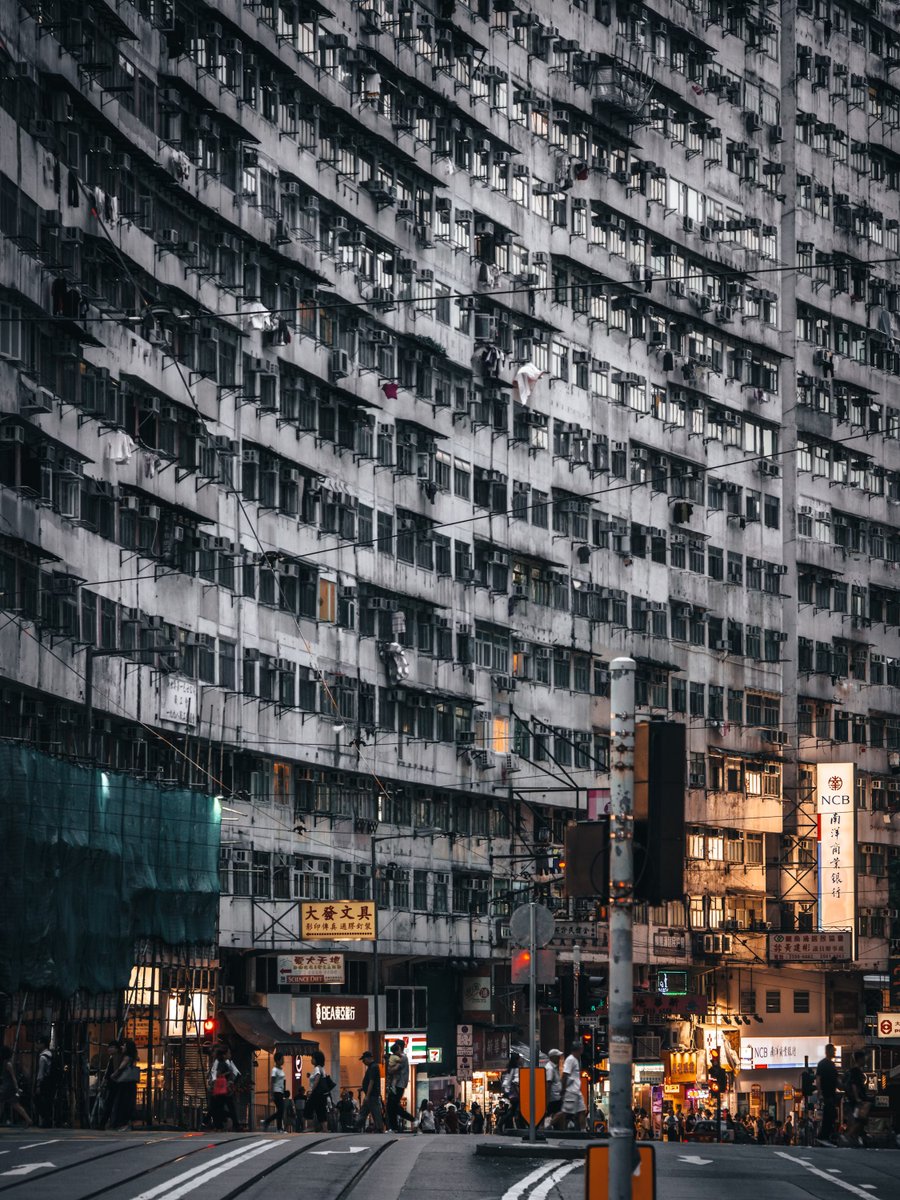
{"x": 521, "y": 964}
{"x": 210, "y": 1027}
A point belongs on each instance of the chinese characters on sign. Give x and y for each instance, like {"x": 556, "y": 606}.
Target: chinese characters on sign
{"x": 341, "y": 920}
{"x": 338, "y": 1012}
{"x": 836, "y": 809}
{"x": 782, "y": 1052}
{"x": 670, "y": 943}
{"x": 310, "y": 968}
{"x": 178, "y": 700}
{"x": 888, "y": 1025}
{"x": 810, "y": 947}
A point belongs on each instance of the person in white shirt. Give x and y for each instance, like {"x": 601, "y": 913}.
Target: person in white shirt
{"x": 277, "y": 1085}
{"x": 554, "y": 1086}
{"x": 572, "y": 1100}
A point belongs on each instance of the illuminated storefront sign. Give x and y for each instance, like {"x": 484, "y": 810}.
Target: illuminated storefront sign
{"x": 836, "y": 810}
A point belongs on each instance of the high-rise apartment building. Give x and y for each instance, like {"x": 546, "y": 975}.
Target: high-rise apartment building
{"x": 371, "y": 376}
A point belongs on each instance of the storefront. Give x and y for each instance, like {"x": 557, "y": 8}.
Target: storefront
{"x": 769, "y": 1079}
{"x": 490, "y": 1056}
{"x": 647, "y": 1077}
{"x": 254, "y": 1037}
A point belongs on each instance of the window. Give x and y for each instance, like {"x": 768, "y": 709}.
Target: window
{"x": 801, "y": 1002}
{"x": 420, "y": 891}
{"x": 754, "y": 845}
{"x": 773, "y": 1002}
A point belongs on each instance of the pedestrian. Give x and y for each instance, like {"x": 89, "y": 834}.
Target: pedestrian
{"x": 396, "y": 1081}
{"x": 370, "y": 1105}
{"x": 450, "y": 1118}
{"x": 43, "y": 1084}
{"x": 277, "y": 1084}
{"x": 290, "y": 1112}
{"x": 106, "y": 1092}
{"x": 320, "y": 1085}
{"x": 221, "y": 1086}
{"x": 346, "y": 1112}
{"x": 126, "y": 1078}
{"x": 426, "y": 1117}
{"x": 573, "y": 1105}
{"x": 827, "y": 1083}
{"x": 788, "y": 1132}
{"x": 857, "y": 1093}
{"x": 509, "y": 1085}
{"x": 553, "y": 1087}
{"x": 672, "y": 1128}
{"x": 10, "y": 1096}
{"x": 300, "y": 1108}
{"x": 477, "y": 1117}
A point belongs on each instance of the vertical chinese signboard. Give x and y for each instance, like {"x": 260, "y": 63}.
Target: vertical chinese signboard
{"x": 836, "y": 811}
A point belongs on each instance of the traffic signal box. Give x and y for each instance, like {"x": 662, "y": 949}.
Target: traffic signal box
{"x": 659, "y": 837}
{"x": 717, "y": 1079}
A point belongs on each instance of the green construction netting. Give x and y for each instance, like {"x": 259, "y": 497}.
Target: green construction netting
{"x": 91, "y": 863}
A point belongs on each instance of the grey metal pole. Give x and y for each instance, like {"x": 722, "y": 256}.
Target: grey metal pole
{"x": 532, "y": 1020}
{"x": 621, "y": 899}
{"x": 375, "y": 964}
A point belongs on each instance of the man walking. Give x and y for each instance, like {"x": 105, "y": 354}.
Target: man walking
{"x": 827, "y": 1083}
{"x": 370, "y": 1105}
{"x": 858, "y": 1094}
{"x": 554, "y": 1086}
{"x": 572, "y": 1100}
{"x": 397, "y": 1081}
{"x": 43, "y": 1083}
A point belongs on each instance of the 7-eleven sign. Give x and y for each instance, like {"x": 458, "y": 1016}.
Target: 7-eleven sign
{"x": 415, "y": 1045}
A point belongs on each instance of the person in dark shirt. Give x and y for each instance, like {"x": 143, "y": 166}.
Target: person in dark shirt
{"x": 370, "y": 1105}
{"x": 857, "y": 1093}
{"x": 827, "y": 1083}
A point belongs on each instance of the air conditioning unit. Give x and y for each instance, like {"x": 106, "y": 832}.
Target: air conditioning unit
{"x": 340, "y": 364}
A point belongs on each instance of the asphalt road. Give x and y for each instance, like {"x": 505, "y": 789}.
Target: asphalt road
{"x": 51, "y": 1165}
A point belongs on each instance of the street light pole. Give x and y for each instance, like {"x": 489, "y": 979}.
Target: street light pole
{"x": 376, "y": 1023}
{"x": 621, "y": 913}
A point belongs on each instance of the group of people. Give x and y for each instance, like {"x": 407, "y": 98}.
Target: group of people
{"x": 34, "y": 1102}
{"x": 565, "y": 1106}
{"x": 858, "y": 1101}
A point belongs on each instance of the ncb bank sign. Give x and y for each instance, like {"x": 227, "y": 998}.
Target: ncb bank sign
{"x": 836, "y": 818}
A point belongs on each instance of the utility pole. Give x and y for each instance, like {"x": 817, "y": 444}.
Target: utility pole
{"x": 532, "y": 1019}
{"x": 376, "y": 1026}
{"x": 621, "y": 913}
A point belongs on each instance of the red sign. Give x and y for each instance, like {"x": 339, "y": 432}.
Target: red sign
{"x": 670, "y": 1006}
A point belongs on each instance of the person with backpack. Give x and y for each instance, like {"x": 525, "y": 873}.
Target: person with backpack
{"x": 222, "y": 1079}
{"x": 277, "y": 1084}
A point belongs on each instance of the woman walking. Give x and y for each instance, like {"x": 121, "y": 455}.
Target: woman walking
{"x": 277, "y": 1085}
{"x": 126, "y": 1078}
{"x": 316, "y": 1109}
{"x": 10, "y": 1096}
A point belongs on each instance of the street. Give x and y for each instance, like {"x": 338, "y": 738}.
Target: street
{"x": 159, "y": 1166}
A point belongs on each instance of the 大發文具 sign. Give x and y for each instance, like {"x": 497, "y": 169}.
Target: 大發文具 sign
{"x": 310, "y": 968}
{"x": 337, "y": 920}
{"x": 814, "y": 946}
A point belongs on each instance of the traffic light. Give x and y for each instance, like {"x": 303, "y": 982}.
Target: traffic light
{"x": 592, "y": 994}
{"x": 550, "y": 997}
{"x": 521, "y": 963}
{"x": 716, "y": 1076}
{"x": 586, "y": 860}
{"x": 659, "y": 827}
{"x": 587, "y": 1051}
{"x": 210, "y": 1027}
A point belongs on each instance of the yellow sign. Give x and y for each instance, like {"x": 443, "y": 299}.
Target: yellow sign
{"x": 596, "y": 1175}
{"x": 338, "y": 920}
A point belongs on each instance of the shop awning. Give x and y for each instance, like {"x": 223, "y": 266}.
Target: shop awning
{"x": 258, "y": 1028}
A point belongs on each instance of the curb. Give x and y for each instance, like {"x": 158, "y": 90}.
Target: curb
{"x": 533, "y": 1150}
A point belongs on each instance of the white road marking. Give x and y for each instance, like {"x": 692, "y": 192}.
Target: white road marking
{"x": 868, "y": 1185}
{"x": 31, "y": 1145}
{"x": 841, "y": 1183}
{"x": 519, "y": 1188}
{"x": 550, "y": 1181}
{"x": 694, "y": 1159}
{"x": 188, "y": 1180}
{"x": 351, "y": 1150}
{"x": 27, "y": 1168}
{"x": 835, "y": 1171}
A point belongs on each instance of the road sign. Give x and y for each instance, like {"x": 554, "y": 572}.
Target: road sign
{"x": 596, "y": 1175}
{"x": 464, "y": 1067}
{"x": 464, "y": 1035}
{"x": 520, "y": 925}
{"x": 540, "y": 1093}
